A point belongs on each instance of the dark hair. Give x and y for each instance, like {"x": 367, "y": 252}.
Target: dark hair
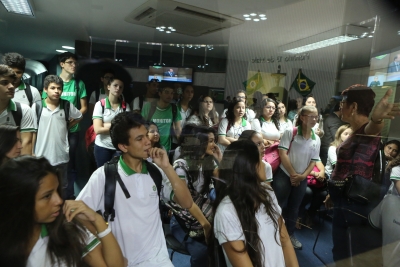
{"x": 122, "y": 124}
{"x": 105, "y": 71}
{"x": 302, "y": 112}
{"x": 199, "y": 112}
{"x": 52, "y": 79}
{"x": 242, "y": 184}
{"x": 247, "y": 135}
{"x": 110, "y": 81}
{"x": 193, "y": 150}
{"x": 6, "y": 71}
{"x": 307, "y": 97}
{"x": 362, "y": 95}
{"x": 292, "y": 105}
{"x": 163, "y": 88}
{"x": 147, "y": 125}
{"x": 230, "y": 115}
{"x": 8, "y": 138}
{"x": 14, "y": 60}
{"x": 275, "y": 116}
{"x": 64, "y": 56}
{"x": 20, "y": 180}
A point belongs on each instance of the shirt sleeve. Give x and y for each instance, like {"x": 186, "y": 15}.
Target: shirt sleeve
{"x": 332, "y": 157}
{"x": 268, "y": 171}
{"x": 223, "y": 115}
{"x": 91, "y": 242}
{"x": 74, "y": 113}
{"x": 35, "y": 94}
{"x": 222, "y": 127}
{"x": 227, "y": 226}
{"x": 97, "y": 111}
{"x": 286, "y": 139}
{"x": 135, "y": 104}
{"x": 27, "y": 121}
{"x": 93, "y": 192}
{"x": 250, "y": 115}
{"x": 82, "y": 89}
{"x": 255, "y": 125}
{"x": 395, "y": 173}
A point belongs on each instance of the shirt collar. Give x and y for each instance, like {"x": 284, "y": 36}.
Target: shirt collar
{"x": 300, "y": 132}
{"x": 128, "y": 171}
{"x": 11, "y": 106}
{"x": 244, "y": 122}
{"x": 22, "y": 86}
{"x": 43, "y": 231}
{"x": 44, "y": 104}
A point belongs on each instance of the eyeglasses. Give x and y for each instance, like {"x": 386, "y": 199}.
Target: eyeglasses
{"x": 208, "y": 102}
{"x": 72, "y": 63}
{"x": 311, "y": 117}
{"x": 270, "y": 107}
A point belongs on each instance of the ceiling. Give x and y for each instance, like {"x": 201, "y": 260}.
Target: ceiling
{"x": 61, "y": 22}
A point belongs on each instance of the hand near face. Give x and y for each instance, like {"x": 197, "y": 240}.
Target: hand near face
{"x": 77, "y": 208}
{"x": 217, "y": 153}
{"x": 159, "y": 156}
{"x": 384, "y": 109}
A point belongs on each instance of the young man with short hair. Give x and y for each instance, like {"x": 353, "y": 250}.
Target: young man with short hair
{"x": 53, "y": 124}
{"x": 24, "y": 93}
{"x": 14, "y": 113}
{"x": 150, "y": 96}
{"x": 137, "y": 224}
{"x": 76, "y": 94}
{"x": 165, "y": 115}
{"x": 101, "y": 93}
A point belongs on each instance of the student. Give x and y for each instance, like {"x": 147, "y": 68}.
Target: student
{"x": 319, "y": 127}
{"x": 284, "y": 122}
{"x": 52, "y": 135}
{"x": 268, "y": 122}
{"x": 257, "y": 139}
{"x": 341, "y": 135}
{"x": 102, "y": 92}
{"x": 165, "y": 115}
{"x": 233, "y": 125}
{"x": 150, "y": 96}
{"x": 104, "y": 111}
{"x": 248, "y": 222}
{"x": 137, "y": 224}
{"x": 76, "y": 94}
{"x": 42, "y": 231}
{"x": 153, "y": 134}
{"x": 196, "y": 165}
{"x": 14, "y": 113}
{"x": 206, "y": 115}
{"x": 298, "y": 155}
{"x": 184, "y": 108}
{"x": 241, "y": 95}
{"x": 24, "y": 93}
{"x": 10, "y": 142}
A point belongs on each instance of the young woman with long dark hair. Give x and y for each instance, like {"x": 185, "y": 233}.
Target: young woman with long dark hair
{"x": 284, "y": 121}
{"x": 268, "y": 122}
{"x": 10, "y": 142}
{"x": 247, "y": 221}
{"x": 41, "y": 230}
{"x": 205, "y": 114}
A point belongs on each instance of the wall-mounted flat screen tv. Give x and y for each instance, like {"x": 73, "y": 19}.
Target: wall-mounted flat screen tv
{"x": 384, "y": 67}
{"x": 170, "y": 74}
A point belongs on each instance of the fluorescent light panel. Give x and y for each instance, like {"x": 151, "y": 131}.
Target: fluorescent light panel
{"x": 321, "y": 44}
{"x": 21, "y": 7}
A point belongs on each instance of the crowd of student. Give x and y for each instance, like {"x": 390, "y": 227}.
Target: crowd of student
{"x": 241, "y": 179}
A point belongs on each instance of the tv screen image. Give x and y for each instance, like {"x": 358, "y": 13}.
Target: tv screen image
{"x": 170, "y": 74}
{"x": 385, "y": 67}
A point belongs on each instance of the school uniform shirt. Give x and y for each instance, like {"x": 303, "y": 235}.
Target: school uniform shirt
{"x": 184, "y": 116}
{"x": 102, "y": 95}
{"x": 21, "y": 97}
{"x": 195, "y": 119}
{"x": 27, "y": 121}
{"x": 302, "y": 151}
{"x": 137, "y": 224}
{"x": 104, "y": 139}
{"x": 234, "y": 131}
{"x": 250, "y": 114}
{"x": 163, "y": 119}
{"x": 287, "y": 124}
{"x": 227, "y": 228}
{"x": 69, "y": 93}
{"x": 268, "y": 171}
{"x": 39, "y": 256}
{"x": 266, "y": 128}
{"x": 136, "y": 102}
{"x": 331, "y": 161}
{"x": 52, "y": 134}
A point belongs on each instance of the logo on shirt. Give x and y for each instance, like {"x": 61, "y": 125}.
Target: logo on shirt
{"x": 154, "y": 188}
{"x": 68, "y": 94}
{"x": 162, "y": 120}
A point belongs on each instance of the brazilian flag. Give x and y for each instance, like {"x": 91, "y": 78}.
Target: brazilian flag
{"x": 253, "y": 84}
{"x": 302, "y": 84}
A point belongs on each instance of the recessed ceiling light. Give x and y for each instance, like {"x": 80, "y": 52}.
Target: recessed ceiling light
{"x": 247, "y": 18}
{"x": 61, "y": 51}
{"x": 172, "y": 30}
{"x": 162, "y": 27}
{"x": 262, "y": 15}
{"x": 68, "y": 47}
{"x": 168, "y": 31}
{"x": 161, "y": 30}
{"x": 398, "y": 33}
{"x": 370, "y": 36}
{"x": 256, "y": 19}
{"x": 263, "y": 18}
{"x": 253, "y": 14}
{"x": 246, "y": 15}
{"x": 158, "y": 28}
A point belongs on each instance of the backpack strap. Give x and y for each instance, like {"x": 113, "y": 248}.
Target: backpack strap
{"x": 112, "y": 176}
{"x": 228, "y": 127}
{"x": 103, "y": 104}
{"x": 28, "y": 93}
{"x": 97, "y": 94}
{"x": 123, "y": 105}
{"x": 293, "y": 135}
{"x": 66, "y": 106}
{"x": 174, "y": 112}
{"x": 141, "y": 99}
{"x": 152, "y": 110}
{"x": 38, "y": 109}
{"x": 17, "y": 114}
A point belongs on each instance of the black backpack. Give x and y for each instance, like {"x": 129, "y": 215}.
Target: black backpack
{"x": 28, "y": 93}
{"x": 64, "y": 103}
{"x": 17, "y": 114}
{"x": 112, "y": 177}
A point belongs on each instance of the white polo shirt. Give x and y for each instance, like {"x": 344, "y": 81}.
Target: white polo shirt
{"x": 302, "y": 151}
{"x": 104, "y": 140}
{"x": 268, "y": 171}
{"x": 234, "y": 131}
{"x": 137, "y": 224}
{"x": 268, "y": 129}
{"x": 39, "y": 256}
{"x": 136, "y": 102}
{"x": 27, "y": 121}
{"x": 331, "y": 160}
{"x": 52, "y": 135}
{"x": 287, "y": 124}
{"x": 250, "y": 115}
{"x": 21, "y": 97}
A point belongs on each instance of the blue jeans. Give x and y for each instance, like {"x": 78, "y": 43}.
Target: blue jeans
{"x": 289, "y": 197}
{"x": 197, "y": 249}
{"x": 102, "y": 155}
{"x": 351, "y": 231}
{"x": 73, "y": 140}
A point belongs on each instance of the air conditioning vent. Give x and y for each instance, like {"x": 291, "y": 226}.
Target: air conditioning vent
{"x": 145, "y": 13}
{"x": 186, "y": 19}
{"x": 199, "y": 14}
